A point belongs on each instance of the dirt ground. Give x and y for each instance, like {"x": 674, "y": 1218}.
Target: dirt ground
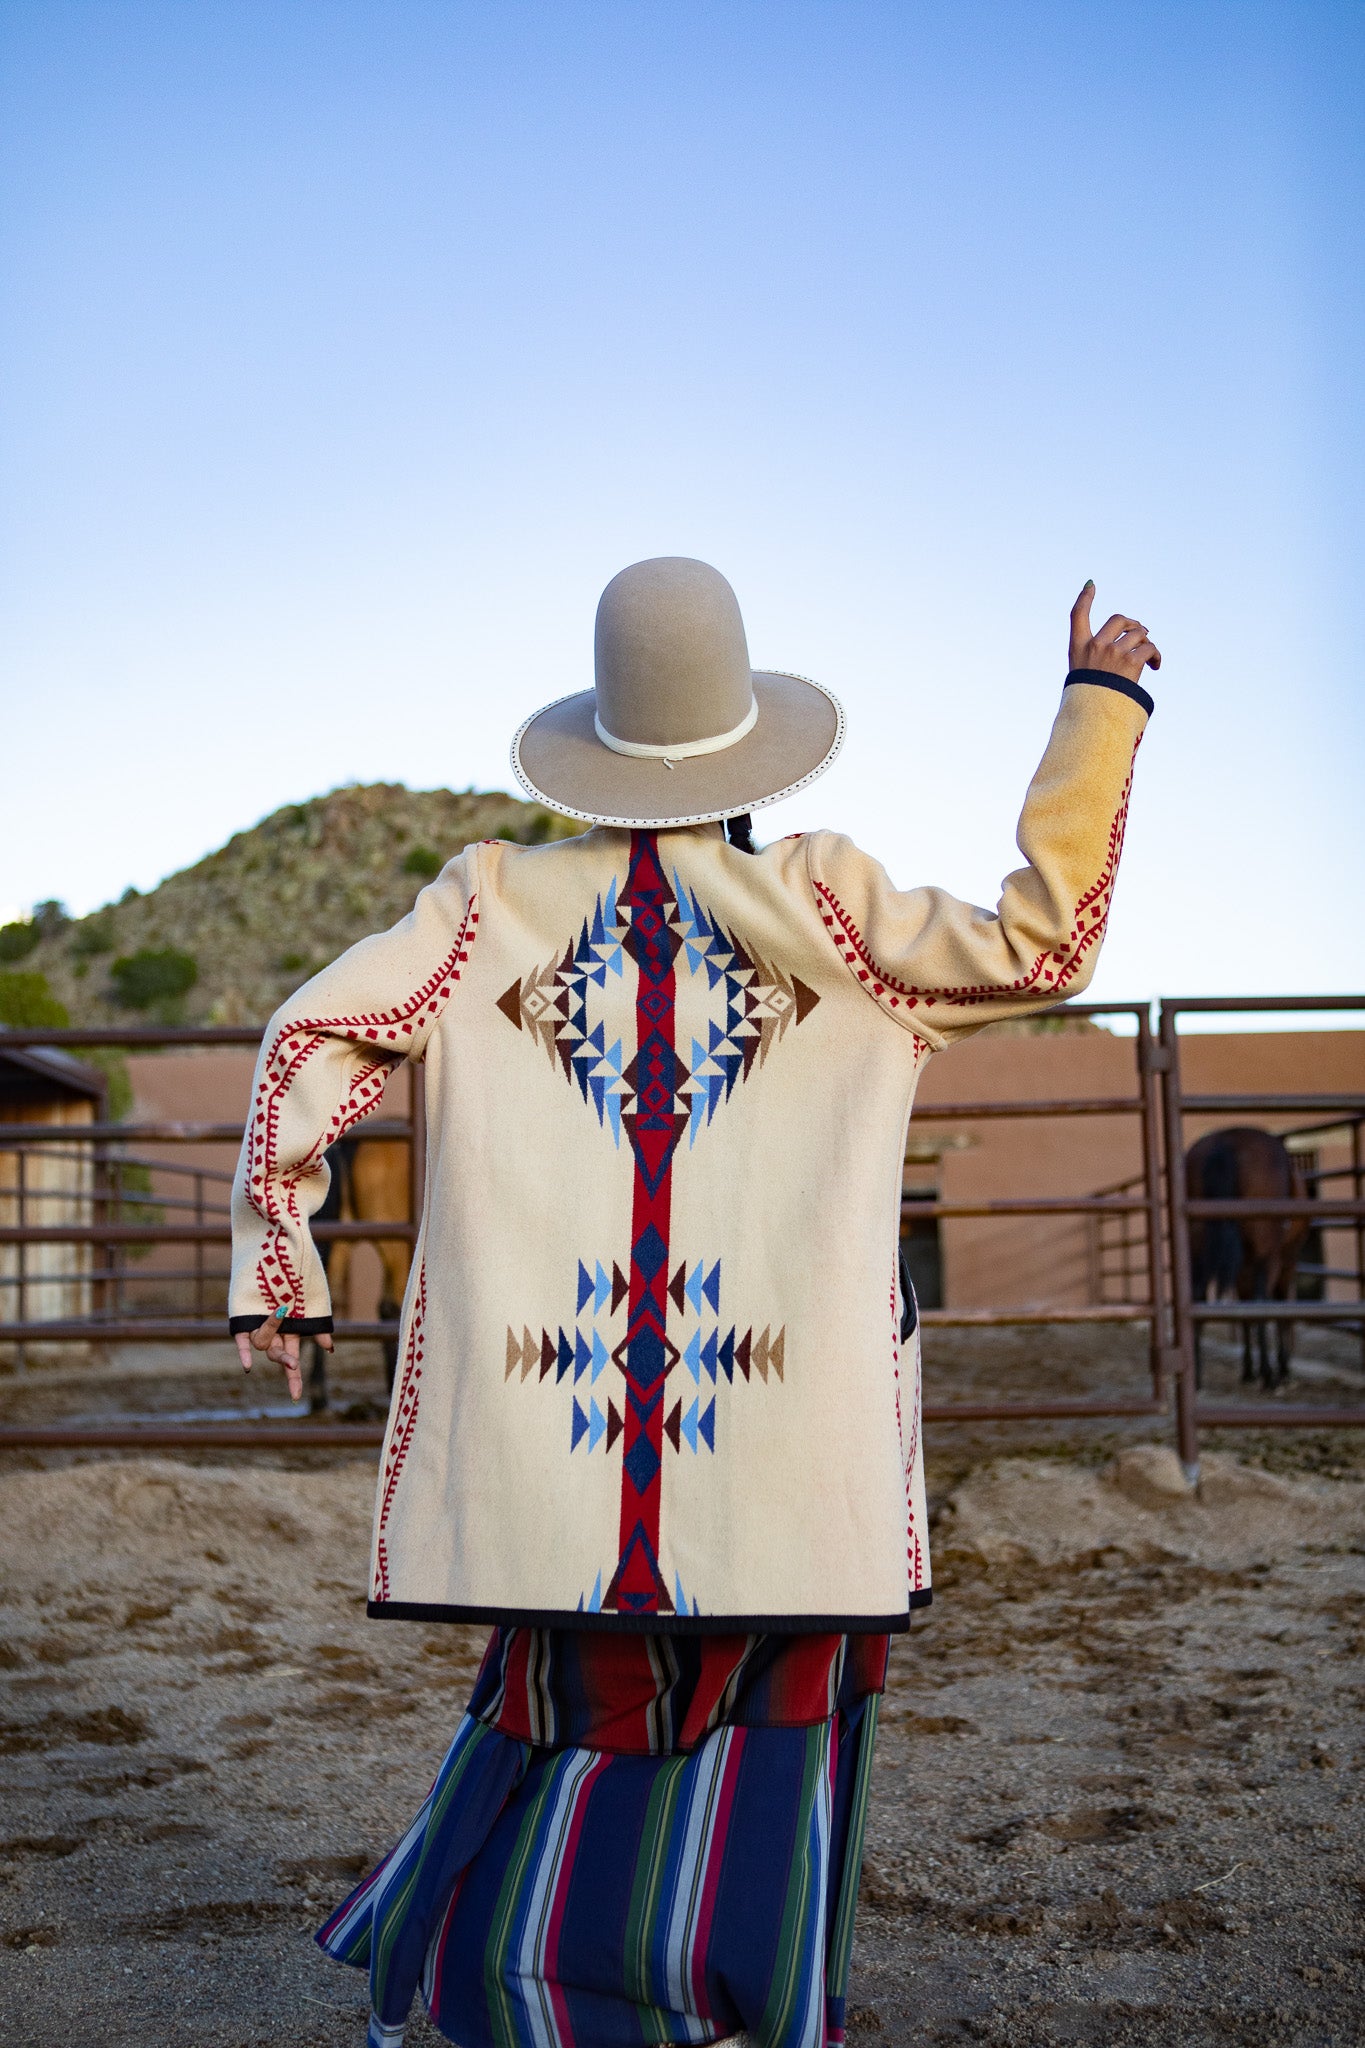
{"x": 1118, "y": 1794}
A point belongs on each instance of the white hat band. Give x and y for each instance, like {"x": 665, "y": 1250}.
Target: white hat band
{"x": 684, "y": 750}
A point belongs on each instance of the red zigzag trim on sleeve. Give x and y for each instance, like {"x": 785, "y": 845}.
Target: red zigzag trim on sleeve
{"x": 1050, "y": 973}
{"x": 273, "y": 1194}
{"x": 401, "y": 1429}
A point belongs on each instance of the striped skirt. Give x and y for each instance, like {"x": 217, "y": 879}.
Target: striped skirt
{"x": 571, "y": 1896}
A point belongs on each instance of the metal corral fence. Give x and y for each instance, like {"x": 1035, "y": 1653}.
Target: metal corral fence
{"x": 1141, "y": 1204}
{"x": 1342, "y": 1109}
{"x": 1146, "y": 1217}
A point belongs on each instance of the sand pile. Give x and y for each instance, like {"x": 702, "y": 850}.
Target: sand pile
{"x": 1141, "y": 1507}
{"x": 120, "y": 1524}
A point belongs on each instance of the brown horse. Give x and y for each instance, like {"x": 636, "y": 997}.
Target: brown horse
{"x": 370, "y": 1184}
{"x": 1254, "y": 1258}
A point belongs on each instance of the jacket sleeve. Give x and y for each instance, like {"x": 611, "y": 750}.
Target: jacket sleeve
{"x": 323, "y": 1063}
{"x": 942, "y": 967}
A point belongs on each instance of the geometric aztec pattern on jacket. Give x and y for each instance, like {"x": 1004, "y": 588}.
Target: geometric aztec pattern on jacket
{"x": 648, "y": 1095}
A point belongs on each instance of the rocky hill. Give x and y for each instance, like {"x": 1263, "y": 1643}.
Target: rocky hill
{"x": 224, "y": 942}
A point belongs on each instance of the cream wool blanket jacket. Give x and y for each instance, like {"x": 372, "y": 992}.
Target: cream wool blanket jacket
{"x": 649, "y": 1370}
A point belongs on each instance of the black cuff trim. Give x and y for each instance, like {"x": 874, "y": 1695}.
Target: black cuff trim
{"x": 1107, "y": 680}
{"x": 293, "y": 1326}
{"x": 655, "y": 1624}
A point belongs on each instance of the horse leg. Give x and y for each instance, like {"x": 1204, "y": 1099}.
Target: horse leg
{"x": 1259, "y": 1289}
{"x": 1284, "y": 1335}
{"x": 317, "y": 1378}
{"x": 1263, "y": 1358}
{"x": 317, "y": 1357}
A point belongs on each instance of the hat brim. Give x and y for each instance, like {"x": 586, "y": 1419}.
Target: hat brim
{"x": 559, "y": 760}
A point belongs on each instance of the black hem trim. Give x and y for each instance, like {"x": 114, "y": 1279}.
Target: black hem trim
{"x": 292, "y": 1326}
{"x": 655, "y": 1624}
{"x": 1107, "y": 680}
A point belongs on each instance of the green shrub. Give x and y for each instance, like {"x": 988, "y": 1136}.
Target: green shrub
{"x": 420, "y": 860}
{"x": 27, "y": 1003}
{"x": 50, "y": 918}
{"x": 537, "y": 827}
{"x": 112, "y": 1064}
{"x": 94, "y": 935}
{"x": 157, "y": 978}
{"x": 18, "y": 938}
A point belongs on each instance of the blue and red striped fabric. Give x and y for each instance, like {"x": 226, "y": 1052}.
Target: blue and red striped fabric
{"x": 648, "y": 1695}
{"x": 574, "y": 1896}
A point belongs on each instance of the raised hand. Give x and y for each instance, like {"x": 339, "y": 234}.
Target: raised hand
{"x": 281, "y": 1347}
{"x": 1120, "y": 646}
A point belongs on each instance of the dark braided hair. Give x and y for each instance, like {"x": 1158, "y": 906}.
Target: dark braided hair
{"x": 740, "y": 832}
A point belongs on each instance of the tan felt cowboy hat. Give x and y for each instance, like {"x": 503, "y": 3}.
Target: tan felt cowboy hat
{"x": 679, "y": 729}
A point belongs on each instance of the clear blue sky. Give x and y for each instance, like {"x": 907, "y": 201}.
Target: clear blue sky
{"x": 347, "y": 350}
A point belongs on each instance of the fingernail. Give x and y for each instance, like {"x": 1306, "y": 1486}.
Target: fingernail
{"x": 1090, "y": 583}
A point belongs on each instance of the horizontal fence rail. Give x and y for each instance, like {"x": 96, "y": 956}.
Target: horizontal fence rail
{"x": 165, "y": 1132}
{"x": 1151, "y": 1214}
{"x": 184, "y": 1233}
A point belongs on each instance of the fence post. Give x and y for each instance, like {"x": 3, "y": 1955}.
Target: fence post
{"x": 199, "y": 1246}
{"x": 1182, "y": 1291}
{"x": 21, "y": 1186}
{"x": 1152, "y": 1062}
{"x": 1357, "y": 1170}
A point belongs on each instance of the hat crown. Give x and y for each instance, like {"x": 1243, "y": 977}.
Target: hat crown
{"x": 672, "y": 659}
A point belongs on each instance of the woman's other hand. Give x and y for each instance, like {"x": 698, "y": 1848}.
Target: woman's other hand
{"x": 1120, "y": 646}
{"x": 281, "y": 1346}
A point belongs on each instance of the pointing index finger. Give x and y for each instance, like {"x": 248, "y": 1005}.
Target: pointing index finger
{"x": 1080, "y": 625}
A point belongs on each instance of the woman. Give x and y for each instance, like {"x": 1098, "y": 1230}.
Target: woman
{"x": 652, "y": 1418}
